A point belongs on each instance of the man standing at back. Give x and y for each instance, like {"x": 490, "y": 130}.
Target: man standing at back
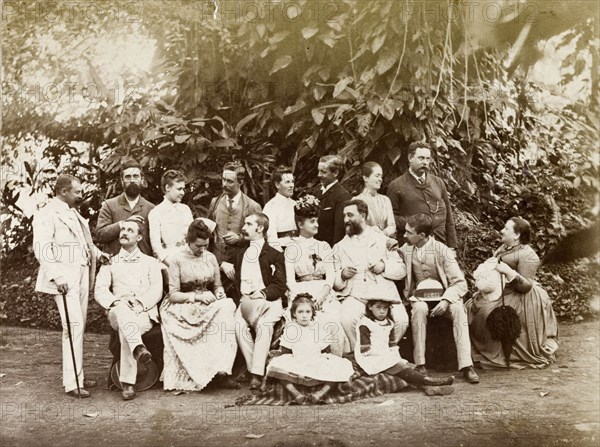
{"x": 419, "y": 192}
{"x": 332, "y": 196}
{"x": 229, "y": 211}
{"x": 130, "y": 205}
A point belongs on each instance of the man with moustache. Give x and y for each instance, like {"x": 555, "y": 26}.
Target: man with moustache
{"x": 417, "y": 191}
{"x": 62, "y": 243}
{"x": 332, "y": 196}
{"x": 428, "y": 259}
{"x": 260, "y": 281}
{"x": 129, "y": 289}
{"x": 280, "y": 210}
{"x": 129, "y": 205}
{"x": 229, "y": 210}
{"x": 366, "y": 261}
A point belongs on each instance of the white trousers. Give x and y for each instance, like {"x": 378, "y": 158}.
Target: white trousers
{"x": 460, "y": 327}
{"x": 77, "y": 304}
{"x": 131, "y": 326}
{"x": 255, "y": 351}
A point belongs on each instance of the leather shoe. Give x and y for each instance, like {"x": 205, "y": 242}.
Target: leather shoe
{"x": 470, "y": 375}
{"x": 89, "y": 383}
{"x": 438, "y": 381}
{"x": 74, "y": 393}
{"x": 141, "y": 354}
{"x": 228, "y": 382}
{"x": 421, "y": 369}
{"x": 128, "y": 392}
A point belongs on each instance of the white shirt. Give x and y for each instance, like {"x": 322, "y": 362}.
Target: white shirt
{"x": 324, "y": 189}
{"x": 168, "y": 223}
{"x": 233, "y": 202}
{"x": 132, "y": 203}
{"x": 250, "y": 275}
{"x": 421, "y": 252}
{"x": 280, "y": 210}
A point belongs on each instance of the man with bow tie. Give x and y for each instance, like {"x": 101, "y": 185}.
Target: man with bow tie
{"x": 62, "y": 243}
{"x": 419, "y": 192}
{"x": 366, "y": 260}
{"x": 332, "y": 196}
{"x": 129, "y": 289}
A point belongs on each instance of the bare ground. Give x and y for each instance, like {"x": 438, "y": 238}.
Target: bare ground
{"x": 558, "y": 406}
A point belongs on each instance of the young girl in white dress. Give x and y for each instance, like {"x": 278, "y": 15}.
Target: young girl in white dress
{"x": 306, "y": 360}
{"x": 376, "y": 352}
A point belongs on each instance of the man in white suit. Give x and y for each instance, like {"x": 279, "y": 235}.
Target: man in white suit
{"x": 129, "y": 289}
{"x": 365, "y": 261}
{"x": 63, "y": 245}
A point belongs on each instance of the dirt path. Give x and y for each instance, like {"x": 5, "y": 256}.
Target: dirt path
{"x": 506, "y": 408}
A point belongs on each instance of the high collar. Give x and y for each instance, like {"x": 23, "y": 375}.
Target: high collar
{"x": 126, "y": 256}
{"x": 324, "y": 189}
{"x": 235, "y": 200}
{"x": 417, "y": 178}
{"x": 61, "y": 205}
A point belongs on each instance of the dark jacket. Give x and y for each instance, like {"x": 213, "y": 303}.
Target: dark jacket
{"x": 331, "y": 213}
{"x": 409, "y": 197}
{"x": 272, "y": 267}
{"x": 117, "y": 209}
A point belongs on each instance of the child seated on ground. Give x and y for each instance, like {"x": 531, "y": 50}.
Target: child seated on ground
{"x": 306, "y": 359}
{"x": 376, "y": 352}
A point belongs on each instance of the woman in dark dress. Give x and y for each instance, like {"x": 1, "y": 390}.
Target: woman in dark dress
{"x": 518, "y": 263}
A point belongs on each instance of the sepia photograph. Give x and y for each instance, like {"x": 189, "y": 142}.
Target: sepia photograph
{"x": 300, "y": 223}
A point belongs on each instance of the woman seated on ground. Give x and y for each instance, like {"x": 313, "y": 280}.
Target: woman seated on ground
{"x": 310, "y": 269}
{"x": 381, "y": 213}
{"x": 517, "y": 263}
{"x": 306, "y": 359}
{"x": 197, "y": 318}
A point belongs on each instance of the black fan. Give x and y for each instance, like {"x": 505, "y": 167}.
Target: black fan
{"x": 504, "y": 324}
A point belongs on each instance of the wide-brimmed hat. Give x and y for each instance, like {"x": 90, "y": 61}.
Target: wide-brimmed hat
{"x": 147, "y": 375}
{"x": 429, "y": 290}
{"x": 378, "y": 292}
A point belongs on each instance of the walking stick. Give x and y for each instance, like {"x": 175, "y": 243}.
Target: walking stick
{"x": 64, "y": 295}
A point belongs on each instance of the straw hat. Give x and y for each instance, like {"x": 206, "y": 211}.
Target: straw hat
{"x": 147, "y": 375}
{"x": 252, "y": 310}
{"x": 380, "y": 293}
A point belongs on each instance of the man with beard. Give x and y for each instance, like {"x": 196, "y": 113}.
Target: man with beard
{"x": 332, "y": 196}
{"x": 129, "y": 205}
{"x": 417, "y": 191}
{"x": 366, "y": 260}
{"x": 229, "y": 210}
{"x": 428, "y": 259}
{"x": 260, "y": 281}
{"x": 129, "y": 289}
{"x": 62, "y": 243}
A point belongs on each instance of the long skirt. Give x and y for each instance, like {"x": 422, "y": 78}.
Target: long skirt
{"x": 537, "y": 344}
{"x": 199, "y": 343}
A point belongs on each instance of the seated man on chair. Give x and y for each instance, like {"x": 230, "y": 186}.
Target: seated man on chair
{"x": 129, "y": 289}
{"x": 426, "y": 258}
{"x": 260, "y": 281}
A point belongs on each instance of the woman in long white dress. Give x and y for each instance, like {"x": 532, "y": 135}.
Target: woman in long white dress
{"x": 198, "y": 323}
{"x": 381, "y": 213}
{"x": 309, "y": 265}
